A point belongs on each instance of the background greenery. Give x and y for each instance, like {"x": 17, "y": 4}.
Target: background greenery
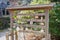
{"x": 55, "y": 21}
{"x": 4, "y": 23}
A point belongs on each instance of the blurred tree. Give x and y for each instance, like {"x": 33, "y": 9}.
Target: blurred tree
{"x": 55, "y": 0}
{"x": 55, "y": 21}
{"x": 4, "y": 23}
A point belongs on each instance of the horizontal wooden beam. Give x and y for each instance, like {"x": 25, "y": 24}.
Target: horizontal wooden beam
{"x": 33, "y": 26}
{"x": 29, "y": 31}
{"x": 30, "y": 7}
{"x": 32, "y": 14}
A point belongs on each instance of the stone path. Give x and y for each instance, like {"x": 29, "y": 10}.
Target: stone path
{"x": 3, "y": 34}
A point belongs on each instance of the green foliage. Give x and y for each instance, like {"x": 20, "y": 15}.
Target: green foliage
{"x": 55, "y": 20}
{"x": 4, "y": 23}
{"x": 55, "y": 0}
{"x": 35, "y": 2}
{"x": 27, "y": 17}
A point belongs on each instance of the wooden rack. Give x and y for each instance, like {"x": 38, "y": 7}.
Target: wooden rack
{"x": 45, "y": 7}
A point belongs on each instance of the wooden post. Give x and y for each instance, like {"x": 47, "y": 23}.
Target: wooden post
{"x": 16, "y": 35}
{"x": 11, "y": 24}
{"x": 47, "y": 24}
{"x": 7, "y": 36}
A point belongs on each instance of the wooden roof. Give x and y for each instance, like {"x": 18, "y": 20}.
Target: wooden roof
{"x": 30, "y": 7}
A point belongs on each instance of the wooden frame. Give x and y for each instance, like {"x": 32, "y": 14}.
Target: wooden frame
{"x": 45, "y": 7}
